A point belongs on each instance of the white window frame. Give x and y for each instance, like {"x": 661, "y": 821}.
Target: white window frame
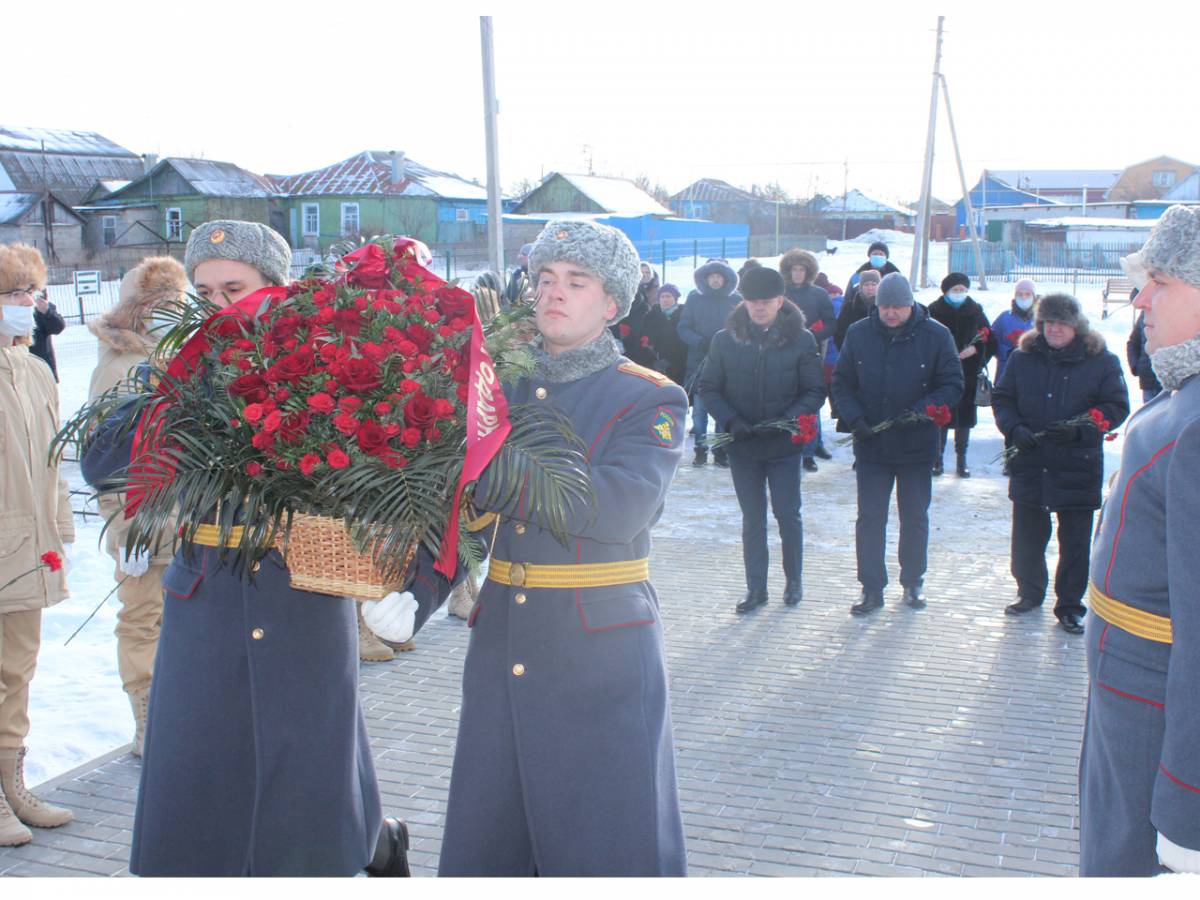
{"x": 315, "y": 209}
{"x": 462, "y": 215}
{"x": 1164, "y": 178}
{"x": 346, "y": 207}
{"x": 107, "y": 224}
{"x": 176, "y": 233}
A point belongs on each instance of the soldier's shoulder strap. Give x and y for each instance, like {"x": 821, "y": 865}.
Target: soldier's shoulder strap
{"x": 632, "y": 368}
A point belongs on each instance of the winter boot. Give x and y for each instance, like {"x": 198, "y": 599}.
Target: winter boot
{"x": 962, "y": 437}
{"x": 462, "y": 598}
{"x": 12, "y": 832}
{"x": 938, "y": 467}
{"x": 28, "y": 808}
{"x": 721, "y": 458}
{"x": 810, "y": 464}
{"x": 701, "y": 458}
{"x": 913, "y": 596}
{"x": 793, "y": 593}
{"x": 867, "y": 603}
{"x": 370, "y": 647}
{"x": 140, "y": 701}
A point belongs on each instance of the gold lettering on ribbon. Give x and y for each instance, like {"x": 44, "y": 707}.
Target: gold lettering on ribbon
{"x": 486, "y": 420}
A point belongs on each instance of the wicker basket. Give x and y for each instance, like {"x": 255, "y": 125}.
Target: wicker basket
{"x": 321, "y": 557}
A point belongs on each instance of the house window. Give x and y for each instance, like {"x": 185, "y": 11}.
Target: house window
{"x": 108, "y": 229}
{"x": 312, "y": 219}
{"x": 174, "y": 224}
{"x": 349, "y": 218}
{"x": 1164, "y": 178}
{"x": 462, "y": 215}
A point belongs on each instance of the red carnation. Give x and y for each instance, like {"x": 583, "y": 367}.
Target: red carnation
{"x": 348, "y": 321}
{"x": 253, "y": 413}
{"x": 346, "y": 423}
{"x": 818, "y": 327}
{"x": 350, "y": 404}
{"x": 382, "y": 409}
{"x": 625, "y": 330}
{"x": 52, "y": 560}
{"x": 432, "y": 316}
{"x": 337, "y": 459}
{"x": 645, "y": 342}
{"x": 285, "y": 327}
{"x": 321, "y": 403}
{"x": 308, "y": 463}
{"x": 263, "y": 441}
{"x": 408, "y": 386}
{"x": 421, "y": 336}
{"x": 253, "y": 469}
{"x": 443, "y": 408}
{"x": 272, "y": 421}
{"x": 411, "y": 437}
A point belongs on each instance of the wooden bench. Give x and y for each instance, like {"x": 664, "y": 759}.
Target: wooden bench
{"x": 1117, "y": 292}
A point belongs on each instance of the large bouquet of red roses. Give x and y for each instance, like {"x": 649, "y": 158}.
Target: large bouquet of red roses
{"x": 369, "y": 396}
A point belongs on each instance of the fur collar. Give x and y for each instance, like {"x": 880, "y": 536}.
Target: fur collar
{"x": 1092, "y": 342}
{"x": 578, "y": 363}
{"x": 123, "y": 340}
{"x": 785, "y": 329}
{"x": 1174, "y": 365}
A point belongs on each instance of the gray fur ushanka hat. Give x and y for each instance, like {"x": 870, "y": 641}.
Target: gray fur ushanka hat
{"x": 251, "y": 243}
{"x": 1173, "y": 248}
{"x": 600, "y": 249}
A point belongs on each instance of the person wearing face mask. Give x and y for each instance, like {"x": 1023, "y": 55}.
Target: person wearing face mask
{"x": 976, "y": 345}
{"x": 661, "y": 331}
{"x": 1060, "y": 370}
{"x": 35, "y": 519}
{"x": 1013, "y": 322}
{"x": 877, "y": 261}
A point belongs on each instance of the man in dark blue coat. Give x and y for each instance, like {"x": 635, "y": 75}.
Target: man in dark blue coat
{"x": 565, "y": 761}
{"x": 704, "y": 314}
{"x": 1060, "y": 370}
{"x": 894, "y": 363}
{"x": 764, "y": 367}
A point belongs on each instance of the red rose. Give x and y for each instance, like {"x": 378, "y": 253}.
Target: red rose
{"x": 337, "y": 459}
{"x": 293, "y": 366}
{"x": 52, "y": 560}
{"x": 263, "y": 441}
{"x": 408, "y": 386}
{"x": 360, "y": 375}
{"x": 371, "y": 438}
{"x": 348, "y": 321}
{"x": 285, "y": 327}
{"x": 272, "y": 421}
{"x": 420, "y": 412}
{"x": 445, "y": 331}
{"x": 253, "y": 469}
{"x": 454, "y": 303}
{"x": 294, "y": 426}
{"x": 421, "y": 336}
{"x": 350, "y": 404}
{"x": 321, "y": 403}
{"x": 243, "y": 364}
{"x": 308, "y": 463}
{"x": 282, "y": 394}
{"x": 251, "y": 388}
{"x": 253, "y": 413}
{"x": 230, "y": 325}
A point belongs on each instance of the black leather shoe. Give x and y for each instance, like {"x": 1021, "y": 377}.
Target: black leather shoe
{"x": 937, "y": 467}
{"x": 754, "y": 599}
{"x": 792, "y": 594}
{"x": 721, "y": 458}
{"x": 912, "y": 596}
{"x": 822, "y": 453}
{"x": 961, "y": 469}
{"x": 810, "y": 464}
{"x": 395, "y": 833}
{"x": 1070, "y": 623}
{"x": 701, "y": 457}
{"x": 1023, "y": 605}
{"x": 868, "y": 603}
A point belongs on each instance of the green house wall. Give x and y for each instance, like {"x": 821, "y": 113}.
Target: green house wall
{"x": 413, "y": 216}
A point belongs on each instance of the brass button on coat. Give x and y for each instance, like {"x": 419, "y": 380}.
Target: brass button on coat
{"x": 540, "y": 393}
{"x": 257, "y": 634}
{"x": 518, "y": 670}
{"x": 520, "y": 598}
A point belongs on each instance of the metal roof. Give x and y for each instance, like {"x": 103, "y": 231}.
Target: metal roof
{"x": 58, "y": 140}
{"x": 615, "y": 195}
{"x": 1095, "y": 222}
{"x": 708, "y": 190}
{"x": 370, "y": 172}
{"x": 209, "y": 177}
{"x": 13, "y": 206}
{"x": 856, "y": 201}
{"x": 1057, "y": 179}
{"x": 72, "y": 177}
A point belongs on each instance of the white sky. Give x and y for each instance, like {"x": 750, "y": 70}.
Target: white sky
{"x": 747, "y": 92}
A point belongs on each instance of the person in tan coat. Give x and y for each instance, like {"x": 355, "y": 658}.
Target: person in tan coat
{"x": 35, "y": 519}
{"x": 125, "y": 340}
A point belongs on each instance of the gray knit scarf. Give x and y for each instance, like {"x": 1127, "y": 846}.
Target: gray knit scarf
{"x": 571, "y": 365}
{"x": 1174, "y": 365}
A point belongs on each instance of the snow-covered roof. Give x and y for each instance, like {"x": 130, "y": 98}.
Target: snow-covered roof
{"x": 15, "y": 205}
{"x": 70, "y": 176}
{"x": 710, "y": 189}
{"x": 1188, "y": 189}
{"x": 220, "y": 179}
{"x": 1057, "y": 179}
{"x": 57, "y": 140}
{"x": 858, "y": 202}
{"x": 1097, "y": 222}
{"x": 111, "y": 184}
{"x": 616, "y": 195}
{"x": 370, "y": 172}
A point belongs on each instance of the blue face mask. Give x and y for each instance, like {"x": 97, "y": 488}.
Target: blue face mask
{"x": 878, "y": 261}
{"x": 957, "y": 298}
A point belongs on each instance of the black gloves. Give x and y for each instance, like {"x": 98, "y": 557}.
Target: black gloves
{"x": 740, "y": 428}
{"x": 862, "y": 430}
{"x": 1060, "y": 433}
{"x": 1023, "y": 438}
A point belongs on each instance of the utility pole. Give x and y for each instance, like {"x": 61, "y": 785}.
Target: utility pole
{"x": 490, "y": 110}
{"x": 845, "y": 194}
{"x": 920, "y": 262}
{"x": 962, "y": 180}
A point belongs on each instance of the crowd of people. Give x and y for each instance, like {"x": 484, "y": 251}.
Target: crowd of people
{"x": 244, "y": 688}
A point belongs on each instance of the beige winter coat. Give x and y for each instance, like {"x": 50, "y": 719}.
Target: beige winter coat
{"x": 35, "y": 508}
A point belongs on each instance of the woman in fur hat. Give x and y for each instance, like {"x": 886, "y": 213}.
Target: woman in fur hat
{"x": 35, "y": 520}
{"x": 125, "y": 340}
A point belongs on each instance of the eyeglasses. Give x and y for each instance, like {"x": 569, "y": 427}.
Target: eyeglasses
{"x": 23, "y": 292}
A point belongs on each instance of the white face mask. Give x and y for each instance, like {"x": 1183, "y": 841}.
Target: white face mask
{"x": 17, "y": 321}
{"x": 1024, "y": 302}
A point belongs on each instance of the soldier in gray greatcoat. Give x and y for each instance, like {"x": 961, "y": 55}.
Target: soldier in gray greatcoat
{"x": 565, "y": 761}
{"x": 1139, "y": 777}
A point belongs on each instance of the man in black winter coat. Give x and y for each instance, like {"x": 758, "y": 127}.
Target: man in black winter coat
{"x": 1059, "y": 371}
{"x": 897, "y": 361}
{"x": 764, "y": 367}
{"x": 1139, "y": 359}
{"x": 799, "y": 269}
{"x": 47, "y": 321}
{"x": 660, "y": 329}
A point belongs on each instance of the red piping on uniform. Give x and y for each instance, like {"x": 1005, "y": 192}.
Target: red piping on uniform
{"x": 1130, "y": 696}
{"x": 1124, "y": 503}
{"x": 604, "y": 430}
{"x": 1103, "y": 635}
{"x": 1182, "y": 784}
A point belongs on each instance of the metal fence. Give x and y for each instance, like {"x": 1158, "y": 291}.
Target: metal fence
{"x": 1042, "y": 261}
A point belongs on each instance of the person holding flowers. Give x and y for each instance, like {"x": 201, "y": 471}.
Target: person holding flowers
{"x": 1060, "y": 372}
{"x": 897, "y": 371}
{"x": 35, "y": 523}
{"x": 764, "y": 366}
{"x": 976, "y": 345}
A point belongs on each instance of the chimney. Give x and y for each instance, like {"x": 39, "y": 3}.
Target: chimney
{"x": 149, "y": 161}
{"x": 398, "y": 166}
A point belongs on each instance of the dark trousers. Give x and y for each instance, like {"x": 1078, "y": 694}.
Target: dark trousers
{"x": 914, "y": 484}
{"x": 751, "y": 478}
{"x": 962, "y": 437}
{"x": 1031, "y": 534}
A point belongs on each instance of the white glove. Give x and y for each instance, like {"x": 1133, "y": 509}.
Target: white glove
{"x": 392, "y": 618}
{"x": 136, "y": 564}
{"x": 1176, "y": 858}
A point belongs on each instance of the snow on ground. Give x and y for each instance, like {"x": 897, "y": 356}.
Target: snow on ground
{"x": 79, "y": 711}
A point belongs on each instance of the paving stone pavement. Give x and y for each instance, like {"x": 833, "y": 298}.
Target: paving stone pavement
{"x": 809, "y": 742}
